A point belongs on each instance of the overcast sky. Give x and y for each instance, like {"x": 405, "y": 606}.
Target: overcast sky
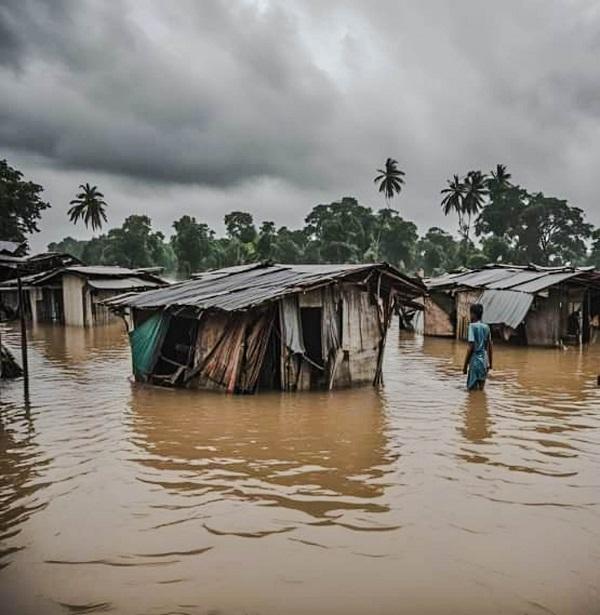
{"x": 206, "y": 106}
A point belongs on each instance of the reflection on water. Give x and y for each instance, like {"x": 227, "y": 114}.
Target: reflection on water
{"x": 330, "y": 458}
{"x": 419, "y": 498}
{"x": 477, "y": 425}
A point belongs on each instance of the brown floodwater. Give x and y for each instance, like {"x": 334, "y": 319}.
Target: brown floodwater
{"x": 419, "y": 498}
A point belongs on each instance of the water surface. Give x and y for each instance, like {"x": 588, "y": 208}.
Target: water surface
{"x": 419, "y": 498}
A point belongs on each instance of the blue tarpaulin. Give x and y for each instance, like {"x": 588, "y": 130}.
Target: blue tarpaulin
{"x": 146, "y": 341}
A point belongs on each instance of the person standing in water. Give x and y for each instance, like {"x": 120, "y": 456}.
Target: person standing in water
{"x": 479, "y": 354}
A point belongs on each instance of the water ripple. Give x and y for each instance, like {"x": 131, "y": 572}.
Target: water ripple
{"x": 154, "y": 497}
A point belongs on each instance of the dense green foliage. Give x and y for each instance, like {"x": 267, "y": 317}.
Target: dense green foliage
{"x": 343, "y": 231}
{"x": 515, "y": 225}
{"x": 498, "y": 222}
{"x": 21, "y": 205}
{"x": 512, "y": 226}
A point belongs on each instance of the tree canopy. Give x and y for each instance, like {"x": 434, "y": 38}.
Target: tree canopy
{"x": 89, "y": 205}
{"x": 21, "y": 205}
{"x": 520, "y": 227}
{"x": 390, "y": 179}
{"x": 512, "y": 225}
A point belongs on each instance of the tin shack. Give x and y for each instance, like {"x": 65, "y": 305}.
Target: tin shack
{"x": 74, "y": 295}
{"x": 267, "y": 327}
{"x": 537, "y": 306}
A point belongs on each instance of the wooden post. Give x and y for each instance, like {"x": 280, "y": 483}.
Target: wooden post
{"x": 23, "y": 334}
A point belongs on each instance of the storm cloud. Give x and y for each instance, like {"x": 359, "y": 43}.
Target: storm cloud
{"x": 192, "y": 107}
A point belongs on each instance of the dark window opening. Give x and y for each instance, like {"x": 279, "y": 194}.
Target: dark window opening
{"x": 177, "y": 349}
{"x": 312, "y": 324}
{"x": 312, "y": 318}
{"x": 594, "y": 316}
{"x": 270, "y": 371}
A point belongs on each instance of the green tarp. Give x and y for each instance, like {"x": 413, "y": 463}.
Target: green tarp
{"x": 146, "y": 341}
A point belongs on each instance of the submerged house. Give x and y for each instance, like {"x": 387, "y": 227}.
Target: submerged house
{"x": 538, "y": 306}
{"x": 267, "y": 326}
{"x": 13, "y": 264}
{"x": 75, "y": 295}
{"x": 12, "y": 248}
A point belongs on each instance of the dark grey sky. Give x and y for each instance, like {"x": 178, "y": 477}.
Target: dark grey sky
{"x": 205, "y": 106}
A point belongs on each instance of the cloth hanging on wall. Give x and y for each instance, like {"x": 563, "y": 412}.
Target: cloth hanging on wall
{"x": 331, "y": 334}
{"x": 291, "y": 325}
{"x": 146, "y": 341}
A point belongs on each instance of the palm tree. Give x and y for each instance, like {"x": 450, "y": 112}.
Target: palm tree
{"x": 475, "y": 192}
{"x": 453, "y": 199}
{"x": 88, "y": 205}
{"x": 501, "y": 176}
{"x": 390, "y": 179}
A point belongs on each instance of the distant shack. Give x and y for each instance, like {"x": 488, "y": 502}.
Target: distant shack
{"x": 74, "y": 295}
{"x": 537, "y": 306}
{"x": 267, "y": 327}
{"x": 13, "y": 264}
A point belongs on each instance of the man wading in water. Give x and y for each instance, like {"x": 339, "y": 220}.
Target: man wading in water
{"x": 479, "y": 355}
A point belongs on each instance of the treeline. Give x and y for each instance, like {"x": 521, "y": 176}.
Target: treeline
{"x": 343, "y": 231}
{"x": 512, "y": 226}
{"x": 498, "y": 221}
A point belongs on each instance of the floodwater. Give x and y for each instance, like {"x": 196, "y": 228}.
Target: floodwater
{"x": 417, "y": 499}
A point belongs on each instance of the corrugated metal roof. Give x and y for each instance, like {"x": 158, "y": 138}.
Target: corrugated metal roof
{"x": 9, "y": 247}
{"x": 550, "y": 279}
{"x": 255, "y": 285}
{"x": 98, "y": 271}
{"x": 473, "y": 278}
{"x": 516, "y": 278}
{"x": 219, "y": 273}
{"x": 120, "y": 283}
{"x": 530, "y": 279}
{"x": 477, "y": 279}
{"x": 8, "y": 260}
{"x": 507, "y": 307}
{"x": 101, "y": 270}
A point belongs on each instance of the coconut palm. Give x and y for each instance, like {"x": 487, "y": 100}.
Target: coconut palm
{"x": 501, "y": 176}
{"x": 475, "y": 193}
{"x": 453, "y": 199}
{"x": 390, "y": 179}
{"x": 88, "y": 205}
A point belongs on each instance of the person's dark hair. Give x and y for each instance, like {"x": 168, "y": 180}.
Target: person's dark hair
{"x": 477, "y": 310}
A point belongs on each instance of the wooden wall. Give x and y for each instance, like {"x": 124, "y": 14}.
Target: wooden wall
{"x": 357, "y": 358}
{"x": 547, "y": 321}
{"x": 360, "y": 338}
{"x": 73, "y": 300}
{"x": 464, "y": 300}
{"x": 543, "y": 323}
{"x": 101, "y": 315}
{"x": 437, "y": 320}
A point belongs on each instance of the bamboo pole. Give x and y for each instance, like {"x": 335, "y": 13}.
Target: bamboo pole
{"x": 23, "y": 334}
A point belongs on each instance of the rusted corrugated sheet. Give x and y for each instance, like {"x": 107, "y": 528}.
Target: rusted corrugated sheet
{"x": 539, "y": 284}
{"x": 526, "y": 279}
{"x": 120, "y": 283}
{"x": 505, "y": 307}
{"x": 253, "y": 286}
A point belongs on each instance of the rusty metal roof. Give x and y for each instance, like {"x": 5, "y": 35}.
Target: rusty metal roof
{"x": 508, "y": 291}
{"x": 122, "y": 284}
{"x": 526, "y": 279}
{"x": 96, "y": 272}
{"x": 249, "y": 286}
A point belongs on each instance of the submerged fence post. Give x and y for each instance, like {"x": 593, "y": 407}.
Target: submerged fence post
{"x": 23, "y": 334}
